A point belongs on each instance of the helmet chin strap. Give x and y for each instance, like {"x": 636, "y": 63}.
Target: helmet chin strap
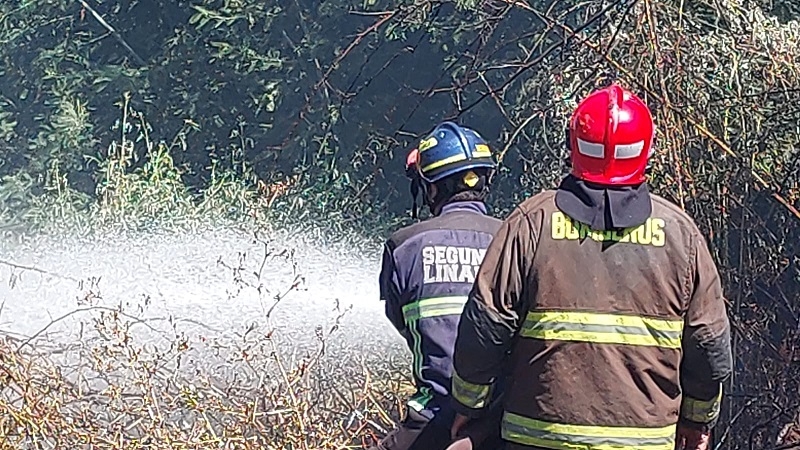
{"x": 417, "y": 187}
{"x": 434, "y": 206}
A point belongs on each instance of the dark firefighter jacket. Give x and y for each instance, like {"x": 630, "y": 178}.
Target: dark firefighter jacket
{"x": 427, "y": 271}
{"x": 613, "y": 336}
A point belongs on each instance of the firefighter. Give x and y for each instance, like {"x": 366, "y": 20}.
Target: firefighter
{"x": 607, "y": 300}
{"x": 427, "y": 271}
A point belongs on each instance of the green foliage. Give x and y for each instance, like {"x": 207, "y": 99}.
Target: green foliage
{"x": 63, "y": 137}
{"x": 300, "y": 113}
{"x": 7, "y": 121}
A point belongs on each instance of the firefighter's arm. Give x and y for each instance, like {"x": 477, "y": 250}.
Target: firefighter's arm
{"x": 707, "y": 361}
{"x": 492, "y": 316}
{"x": 390, "y": 291}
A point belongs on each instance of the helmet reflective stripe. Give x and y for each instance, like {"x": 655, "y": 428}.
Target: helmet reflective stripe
{"x": 425, "y": 144}
{"x": 628, "y": 151}
{"x": 482, "y": 151}
{"x": 621, "y": 151}
{"x": 590, "y": 148}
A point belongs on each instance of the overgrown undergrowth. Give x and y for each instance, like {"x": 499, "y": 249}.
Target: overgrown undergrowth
{"x": 127, "y": 381}
{"x": 113, "y": 389}
{"x": 149, "y": 193}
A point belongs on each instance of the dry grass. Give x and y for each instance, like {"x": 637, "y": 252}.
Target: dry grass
{"x": 43, "y": 408}
{"x": 127, "y": 383}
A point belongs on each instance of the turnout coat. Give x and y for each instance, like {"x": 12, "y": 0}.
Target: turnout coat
{"x": 613, "y": 336}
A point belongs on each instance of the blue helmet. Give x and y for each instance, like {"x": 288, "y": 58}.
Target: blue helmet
{"x": 450, "y": 148}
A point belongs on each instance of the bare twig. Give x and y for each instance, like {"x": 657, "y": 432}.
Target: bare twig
{"x": 114, "y": 32}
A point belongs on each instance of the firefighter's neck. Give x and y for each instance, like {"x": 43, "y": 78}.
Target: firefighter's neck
{"x": 436, "y": 202}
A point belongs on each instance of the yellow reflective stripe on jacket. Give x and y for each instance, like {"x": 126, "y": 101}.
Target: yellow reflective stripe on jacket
{"x": 603, "y": 328}
{"x": 470, "y": 395}
{"x": 701, "y": 411}
{"x": 421, "y": 309}
{"x": 433, "y": 307}
{"x": 537, "y": 433}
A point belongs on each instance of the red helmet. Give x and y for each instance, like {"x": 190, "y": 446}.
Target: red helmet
{"x": 611, "y": 137}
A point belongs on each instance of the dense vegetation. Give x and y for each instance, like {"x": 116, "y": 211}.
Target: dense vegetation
{"x": 176, "y": 113}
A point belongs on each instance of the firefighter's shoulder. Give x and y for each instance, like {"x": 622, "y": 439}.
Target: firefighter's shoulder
{"x": 671, "y": 213}
{"x": 534, "y": 206}
{"x": 412, "y": 232}
{"x": 542, "y": 199}
{"x": 404, "y": 234}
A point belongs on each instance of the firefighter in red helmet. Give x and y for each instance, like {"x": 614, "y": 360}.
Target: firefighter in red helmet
{"x": 607, "y": 301}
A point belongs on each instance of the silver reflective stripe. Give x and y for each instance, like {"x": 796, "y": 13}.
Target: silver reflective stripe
{"x": 590, "y": 148}
{"x": 628, "y": 151}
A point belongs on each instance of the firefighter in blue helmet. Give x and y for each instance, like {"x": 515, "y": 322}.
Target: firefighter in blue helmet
{"x": 427, "y": 272}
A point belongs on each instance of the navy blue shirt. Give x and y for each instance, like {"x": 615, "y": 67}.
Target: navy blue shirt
{"x": 427, "y": 273}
